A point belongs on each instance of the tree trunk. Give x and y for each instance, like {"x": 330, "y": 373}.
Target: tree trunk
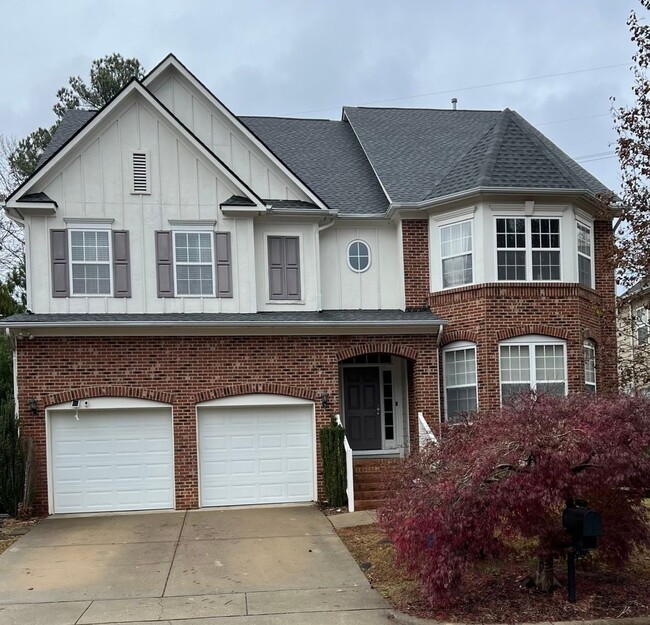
{"x": 545, "y": 579}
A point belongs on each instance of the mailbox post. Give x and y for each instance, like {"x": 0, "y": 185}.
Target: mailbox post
{"x": 585, "y": 527}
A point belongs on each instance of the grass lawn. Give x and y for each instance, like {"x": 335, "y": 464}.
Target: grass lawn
{"x": 494, "y": 593}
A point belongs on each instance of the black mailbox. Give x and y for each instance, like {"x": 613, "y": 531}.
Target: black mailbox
{"x": 584, "y": 525}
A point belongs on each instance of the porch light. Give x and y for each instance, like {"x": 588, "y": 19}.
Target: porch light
{"x": 325, "y": 399}
{"x": 33, "y": 406}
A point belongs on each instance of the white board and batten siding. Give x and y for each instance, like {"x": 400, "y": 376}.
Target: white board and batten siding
{"x": 115, "y": 456}
{"x": 226, "y": 140}
{"x": 380, "y": 286}
{"x": 96, "y": 183}
{"x": 256, "y": 449}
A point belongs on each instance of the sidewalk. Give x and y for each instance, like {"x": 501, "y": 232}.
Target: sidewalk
{"x": 353, "y": 519}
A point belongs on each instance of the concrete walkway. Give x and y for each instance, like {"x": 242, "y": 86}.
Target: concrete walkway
{"x": 237, "y": 567}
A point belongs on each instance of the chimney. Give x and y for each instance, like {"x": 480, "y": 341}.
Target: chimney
{"x": 454, "y": 102}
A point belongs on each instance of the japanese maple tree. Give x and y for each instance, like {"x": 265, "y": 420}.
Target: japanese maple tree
{"x": 508, "y": 474}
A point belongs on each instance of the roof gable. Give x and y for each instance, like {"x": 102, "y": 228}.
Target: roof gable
{"x": 78, "y": 140}
{"x": 224, "y": 133}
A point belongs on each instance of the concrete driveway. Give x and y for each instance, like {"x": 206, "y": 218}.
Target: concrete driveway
{"x": 237, "y": 567}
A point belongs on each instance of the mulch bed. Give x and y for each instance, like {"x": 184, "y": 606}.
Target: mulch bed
{"x": 11, "y": 530}
{"x": 494, "y": 593}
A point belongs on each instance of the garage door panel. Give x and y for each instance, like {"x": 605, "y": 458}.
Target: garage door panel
{"x": 112, "y": 460}
{"x": 256, "y": 454}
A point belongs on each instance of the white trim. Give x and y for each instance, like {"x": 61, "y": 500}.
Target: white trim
{"x": 589, "y": 226}
{"x": 450, "y": 224}
{"x": 110, "y": 403}
{"x": 462, "y": 214}
{"x": 89, "y": 223}
{"x": 192, "y": 225}
{"x": 590, "y": 345}
{"x": 347, "y": 256}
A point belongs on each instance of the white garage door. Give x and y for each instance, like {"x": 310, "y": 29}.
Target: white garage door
{"x": 256, "y": 454}
{"x": 112, "y": 460}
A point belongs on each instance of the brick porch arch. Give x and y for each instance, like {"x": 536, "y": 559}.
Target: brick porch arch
{"x": 393, "y": 349}
{"x": 510, "y": 333}
{"x": 255, "y": 388}
{"x": 91, "y": 392}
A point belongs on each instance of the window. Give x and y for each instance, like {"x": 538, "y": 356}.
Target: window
{"x": 532, "y": 363}
{"x": 284, "y": 268}
{"x": 528, "y": 248}
{"x": 459, "y": 366}
{"x": 358, "y": 256}
{"x": 193, "y": 263}
{"x": 641, "y": 317}
{"x": 90, "y": 262}
{"x": 584, "y": 255}
{"x": 589, "y": 352}
{"x": 456, "y": 253}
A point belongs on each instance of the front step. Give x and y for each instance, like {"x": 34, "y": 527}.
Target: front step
{"x": 372, "y": 481}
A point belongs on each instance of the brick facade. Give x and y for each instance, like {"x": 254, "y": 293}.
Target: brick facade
{"x": 185, "y": 370}
{"x": 415, "y": 251}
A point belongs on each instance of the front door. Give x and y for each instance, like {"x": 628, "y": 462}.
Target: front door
{"x": 362, "y": 407}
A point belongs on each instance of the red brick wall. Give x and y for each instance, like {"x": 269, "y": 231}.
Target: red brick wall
{"x": 187, "y": 370}
{"x": 415, "y": 246}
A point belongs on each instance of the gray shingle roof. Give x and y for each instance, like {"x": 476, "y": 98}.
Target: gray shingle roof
{"x": 327, "y": 157}
{"x": 324, "y": 317}
{"x": 72, "y": 122}
{"x": 417, "y": 154}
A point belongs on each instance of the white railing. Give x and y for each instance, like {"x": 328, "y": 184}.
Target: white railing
{"x": 424, "y": 431}
{"x": 349, "y": 470}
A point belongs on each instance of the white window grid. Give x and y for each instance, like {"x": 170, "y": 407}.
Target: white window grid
{"x": 456, "y": 250}
{"x": 532, "y": 366}
{"x": 358, "y": 256}
{"x": 585, "y": 253}
{"x": 459, "y": 371}
{"x": 524, "y": 250}
{"x": 194, "y": 250}
{"x": 589, "y": 353}
{"x": 91, "y": 262}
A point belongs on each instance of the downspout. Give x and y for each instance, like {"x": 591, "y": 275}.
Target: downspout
{"x": 439, "y": 371}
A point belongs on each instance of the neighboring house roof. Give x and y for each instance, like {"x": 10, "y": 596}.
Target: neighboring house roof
{"x": 375, "y": 156}
{"x": 70, "y": 124}
{"x": 640, "y": 288}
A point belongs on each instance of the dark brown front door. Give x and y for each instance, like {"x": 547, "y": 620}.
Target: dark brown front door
{"x": 362, "y": 407}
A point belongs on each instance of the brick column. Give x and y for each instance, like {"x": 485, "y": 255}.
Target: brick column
{"x": 415, "y": 247}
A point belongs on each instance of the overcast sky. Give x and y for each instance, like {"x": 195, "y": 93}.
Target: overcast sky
{"x": 308, "y": 58}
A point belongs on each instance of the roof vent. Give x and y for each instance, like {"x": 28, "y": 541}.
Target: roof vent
{"x": 141, "y": 173}
{"x": 454, "y": 102}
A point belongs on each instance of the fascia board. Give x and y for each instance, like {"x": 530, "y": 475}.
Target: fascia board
{"x": 172, "y": 61}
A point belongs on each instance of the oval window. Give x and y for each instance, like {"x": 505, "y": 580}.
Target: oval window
{"x": 358, "y": 256}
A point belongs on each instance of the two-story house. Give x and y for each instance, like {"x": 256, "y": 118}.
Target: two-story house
{"x": 207, "y": 290}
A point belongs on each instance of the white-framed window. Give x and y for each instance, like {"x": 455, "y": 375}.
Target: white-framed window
{"x": 457, "y": 254}
{"x": 194, "y": 264}
{"x": 589, "y": 354}
{"x": 532, "y": 363}
{"x": 641, "y": 322}
{"x": 585, "y": 255}
{"x": 459, "y": 370}
{"x": 528, "y": 248}
{"x": 358, "y": 255}
{"x": 90, "y": 262}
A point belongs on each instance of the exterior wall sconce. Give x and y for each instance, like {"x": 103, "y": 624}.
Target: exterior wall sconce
{"x": 33, "y": 406}
{"x": 325, "y": 399}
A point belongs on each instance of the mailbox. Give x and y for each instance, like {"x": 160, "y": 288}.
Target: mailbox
{"x": 584, "y": 525}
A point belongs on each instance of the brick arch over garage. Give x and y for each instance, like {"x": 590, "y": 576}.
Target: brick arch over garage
{"x": 378, "y": 348}
{"x": 91, "y": 392}
{"x": 255, "y": 388}
{"x": 510, "y": 333}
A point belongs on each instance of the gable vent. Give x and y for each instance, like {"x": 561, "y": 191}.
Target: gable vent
{"x": 141, "y": 173}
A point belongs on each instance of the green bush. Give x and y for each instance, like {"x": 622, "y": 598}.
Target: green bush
{"x": 334, "y": 473}
{"x": 12, "y": 460}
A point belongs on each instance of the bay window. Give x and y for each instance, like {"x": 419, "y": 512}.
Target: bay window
{"x": 456, "y": 253}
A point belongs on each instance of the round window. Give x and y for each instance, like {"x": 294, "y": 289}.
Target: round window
{"x": 358, "y": 256}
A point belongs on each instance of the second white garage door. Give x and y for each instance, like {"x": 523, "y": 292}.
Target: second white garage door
{"x": 256, "y": 454}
